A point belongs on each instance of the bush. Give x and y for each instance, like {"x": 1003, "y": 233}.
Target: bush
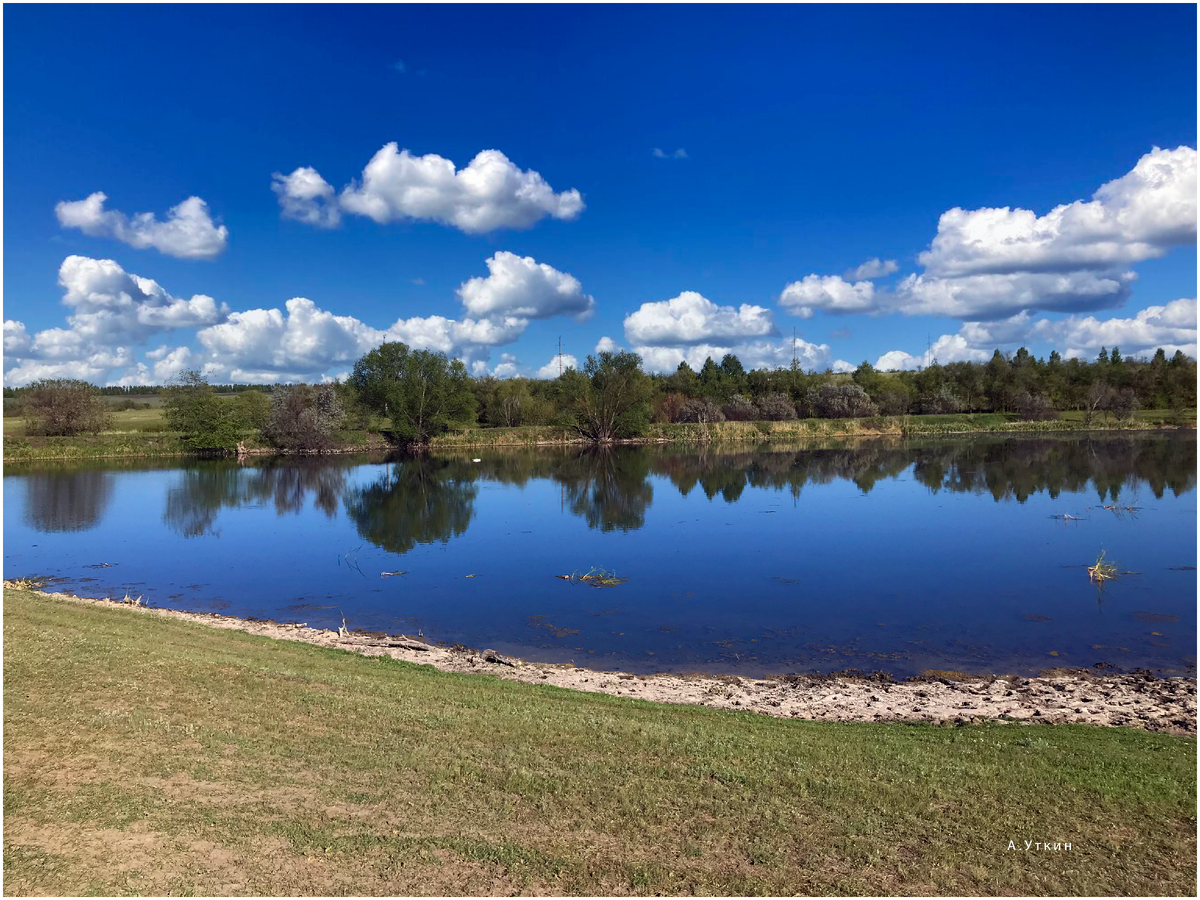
{"x": 841, "y": 401}
{"x": 304, "y": 417}
{"x": 700, "y": 410}
{"x": 125, "y": 404}
{"x": 740, "y": 409}
{"x": 777, "y": 408}
{"x": 941, "y": 403}
{"x": 64, "y": 407}
{"x": 1034, "y": 407}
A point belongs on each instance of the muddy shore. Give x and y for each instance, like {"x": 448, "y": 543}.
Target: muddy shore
{"x": 1059, "y": 696}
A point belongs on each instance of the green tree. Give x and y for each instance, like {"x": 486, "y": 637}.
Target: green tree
{"x": 684, "y": 380}
{"x": 867, "y": 378}
{"x": 253, "y": 407}
{"x": 64, "y": 407}
{"x": 708, "y": 383}
{"x": 610, "y": 398}
{"x": 192, "y": 408}
{"x": 421, "y": 391}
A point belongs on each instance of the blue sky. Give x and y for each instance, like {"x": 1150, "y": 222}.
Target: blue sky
{"x": 680, "y": 180}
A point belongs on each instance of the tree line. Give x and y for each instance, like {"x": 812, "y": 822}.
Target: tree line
{"x": 421, "y": 394}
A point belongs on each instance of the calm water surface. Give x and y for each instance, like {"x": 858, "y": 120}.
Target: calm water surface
{"x": 893, "y": 555}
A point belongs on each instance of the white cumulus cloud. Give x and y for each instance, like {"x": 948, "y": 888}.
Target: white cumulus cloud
{"x": 552, "y": 368}
{"x": 520, "y": 286}
{"x": 691, "y": 318}
{"x": 1171, "y": 326}
{"x": 872, "y": 268}
{"x": 751, "y": 354}
{"x": 992, "y": 263}
{"x": 1136, "y": 217}
{"x": 489, "y": 193}
{"x": 188, "y": 231}
{"x": 830, "y": 292}
{"x": 307, "y": 197}
{"x": 607, "y": 345}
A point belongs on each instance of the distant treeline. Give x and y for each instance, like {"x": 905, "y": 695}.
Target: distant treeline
{"x": 415, "y": 395}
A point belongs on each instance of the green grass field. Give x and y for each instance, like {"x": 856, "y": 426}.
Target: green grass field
{"x": 146, "y": 755}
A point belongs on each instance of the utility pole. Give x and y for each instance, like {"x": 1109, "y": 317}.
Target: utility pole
{"x": 793, "y": 348}
{"x": 560, "y": 356}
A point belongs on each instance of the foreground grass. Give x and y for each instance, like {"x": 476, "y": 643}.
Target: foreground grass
{"x": 152, "y": 756}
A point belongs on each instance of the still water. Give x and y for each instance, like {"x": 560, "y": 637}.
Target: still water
{"x": 875, "y": 555}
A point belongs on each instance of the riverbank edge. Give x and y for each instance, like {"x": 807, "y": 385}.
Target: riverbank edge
{"x": 736, "y": 433}
{"x": 1057, "y": 696}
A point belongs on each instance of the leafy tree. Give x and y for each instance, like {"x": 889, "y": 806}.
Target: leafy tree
{"x": 192, "y": 407}
{"x": 732, "y": 375}
{"x": 708, "y": 382}
{"x": 64, "y": 407}
{"x": 683, "y": 380}
{"x": 421, "y": 391}
{"x": 253, "y": 408}
{"x": 867, "y": 378}
{"x": 610, "y": 398}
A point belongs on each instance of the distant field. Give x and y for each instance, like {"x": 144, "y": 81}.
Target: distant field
{"x": 144, "y": 755}
{"x": 138, "y": 432}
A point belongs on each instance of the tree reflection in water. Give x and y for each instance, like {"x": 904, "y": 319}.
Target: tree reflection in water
{"x": 204, "y": 490}
{"x": 417, "y": 500}
{"x": 67, "y": 501}
{"x": 610, "y": 488}
{"x": 421, "y": 499}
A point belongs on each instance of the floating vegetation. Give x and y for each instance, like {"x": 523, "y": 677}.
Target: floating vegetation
{"x": 470, "y": 576}
{"x": 397, "y": 572}
{"x": 1067, "y": 517}
{"x": 596, "y": 577}
{"x": 1102, "y": 571}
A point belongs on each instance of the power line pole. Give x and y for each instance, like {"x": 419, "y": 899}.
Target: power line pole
{"x": 560, "y": 356}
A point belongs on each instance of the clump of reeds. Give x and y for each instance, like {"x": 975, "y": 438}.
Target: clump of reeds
{"x": 596, "y": 577}
{"x": 1102, "y": 571}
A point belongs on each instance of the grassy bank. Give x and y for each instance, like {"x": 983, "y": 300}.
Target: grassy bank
{"x": 143, "y": 433}
{"x": 153, "y": 756}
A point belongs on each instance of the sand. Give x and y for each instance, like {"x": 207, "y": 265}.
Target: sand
{"x": 1058, "y": 696}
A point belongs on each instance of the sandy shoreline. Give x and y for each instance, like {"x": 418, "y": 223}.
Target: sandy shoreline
{"x": 1057, "y": 696}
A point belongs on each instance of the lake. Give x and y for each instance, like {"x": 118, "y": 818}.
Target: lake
{"x": 894, "y": 555}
